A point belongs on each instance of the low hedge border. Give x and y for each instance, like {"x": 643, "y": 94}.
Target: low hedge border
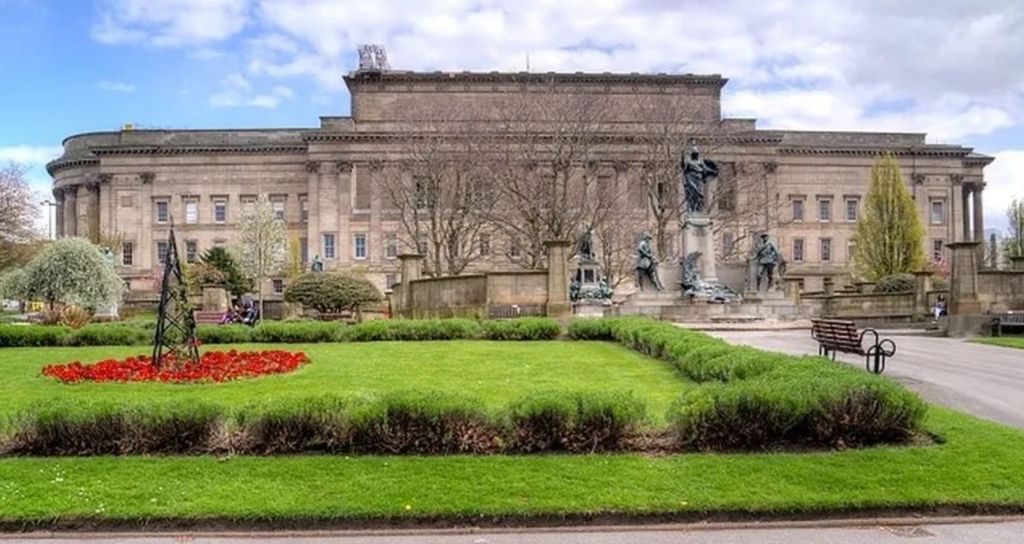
{"x": 398, "y": 423}
{"x": 134, "y": 334}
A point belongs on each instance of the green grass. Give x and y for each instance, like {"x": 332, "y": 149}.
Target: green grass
{"x": 1004, "y": 341}
{"x": 981, "y": 465}
{"x": 495, "y": 372}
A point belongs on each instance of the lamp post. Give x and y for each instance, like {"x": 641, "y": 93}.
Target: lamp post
{"x": 50, "y": 205}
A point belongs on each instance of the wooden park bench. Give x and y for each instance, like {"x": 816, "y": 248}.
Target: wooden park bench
{"x": 1008, "y": 320}
{"x": 207, "y": 318}
{"x": 835, "y": 335}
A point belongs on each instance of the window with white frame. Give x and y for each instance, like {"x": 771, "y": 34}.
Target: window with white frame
{"x": 852, "y": 207}
{"x": 391, "y": 245}
{"x": 162, "y": 211}
{"x": 278, "y": 206}
{"x": 824, "y": 209}
{"x": 330, "y": 248}
{"x": 798, "y": 209}
{"x": 191, "y": 211}
{"x": 220, "y": 210}
{"x": 937, "y": 212}
{"x": 191, "y": 251}
{"x": 359, "y": 245}
{"x": 826, "y": 250}
{"x": 390, "y": 280}
{"x": 161, "y": 251}
{"x": 278, "y": 285}
{"x": 798, "y": 250}
{"x": 485, "y": 243}
{"x": 304, "y": 209}
{"x": 127, "y": 253}
{"x": 937, "y": 247}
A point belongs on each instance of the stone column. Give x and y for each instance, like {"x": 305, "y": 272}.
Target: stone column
{"x": 412, "y": 269}
{"x": 559, "y": 306}
{"x": 963, "y": 279}
{"x": 70, "y": 218}
{"x": 964, "y": 212}
{"x": 313, "y": 204}
{"x": 978, "y": 213}
{"x": 88, "y": 212}
{"x": 58, "y": 214}
{"x": 923, "y": 285}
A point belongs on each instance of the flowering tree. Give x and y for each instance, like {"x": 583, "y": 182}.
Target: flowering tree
{"x": 263, "y": 243}
{"x": 72, "y": 271}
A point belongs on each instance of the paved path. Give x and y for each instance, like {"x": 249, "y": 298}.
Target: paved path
{"x": 990, "y": 533}
{"x": 987, "y": 381}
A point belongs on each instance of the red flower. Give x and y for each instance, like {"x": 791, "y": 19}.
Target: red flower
{"x": 216, "y": 366}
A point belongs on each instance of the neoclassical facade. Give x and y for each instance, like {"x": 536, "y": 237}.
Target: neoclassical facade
{"x": 129, "y": 185}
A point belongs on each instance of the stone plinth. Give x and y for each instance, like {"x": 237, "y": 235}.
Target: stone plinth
{"x": 923, "y": 285}
{"x": 698, "y": 236}
{"x": 1017, "y": 263}
{"x": 558, "y": 305}
{"x": 412, "y": 268}
{"x": 215, "y": 299}
{"x": 963, "y": 279}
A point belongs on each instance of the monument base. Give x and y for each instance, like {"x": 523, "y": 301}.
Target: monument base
{"x": 698, "y": 236}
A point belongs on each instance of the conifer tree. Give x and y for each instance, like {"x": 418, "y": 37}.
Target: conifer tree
{"x": 890, "y": 235}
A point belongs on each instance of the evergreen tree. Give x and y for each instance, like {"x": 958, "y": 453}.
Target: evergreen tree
{"x": 890, "y": 235}
{"x": 1014, "y": 241}
{"x": 234, "y": 281}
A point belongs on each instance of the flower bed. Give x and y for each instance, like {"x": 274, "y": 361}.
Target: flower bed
{"x": 213, "y": 366}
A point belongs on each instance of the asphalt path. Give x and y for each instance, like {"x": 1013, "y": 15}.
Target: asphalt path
{"x": 1011, "y": 532}
{"x": 986, "y": 381}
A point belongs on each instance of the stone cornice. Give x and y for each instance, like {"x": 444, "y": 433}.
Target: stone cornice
{"x": 958, "y": 152}
{"x": 57, "y": 165}
{"x": 194, "y": 150}
{"x": 610, "y": 137}
{"x": 375, "y": 77}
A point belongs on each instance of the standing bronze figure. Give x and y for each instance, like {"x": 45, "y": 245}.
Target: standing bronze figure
{"x": 646, "y": 265}
{"x": 768, "y": 258}
{"x": 697, "y": 174}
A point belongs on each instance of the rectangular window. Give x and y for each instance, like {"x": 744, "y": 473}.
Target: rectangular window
{"x": 421, "y": 245}
{"x": 359, "y": 245}
{"x": 161, "y": 251}
{"x": 248, "y": 201}
{"x": 798, "y": 210}
{"x": 390, "y": 280}
{"x": 127, "y": 253}
{"x": 851, "y": 250}
{"x": 851, "y": 209}
{"x": 220, "y": 211}
{"x": 485, "y": 244}
{"x": 330, "y": 250}
{"x": 304, "y": 209}
{"x": 826, "y": 250}
{"x": 824, "y": 210}
{"x": 938, "y": 212}
{"x": 798, "y": 250}
{"x": 727, "y": 243}
{"x": 191, "y": 251}
{"x": 937, "y": 246}
{"x": 278, "y": 206}
{"x": 391, "y": 245}
{"x": 162, "y": 212}
{"x": 304, "y": 250}
{"x": 278, "y": 284}
{"x": 513, "y": 249}
{"x": 191, "y": 211}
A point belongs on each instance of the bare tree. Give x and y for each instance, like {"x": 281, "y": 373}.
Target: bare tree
{"x": 542, "y": 167}
{"x": 440, "y": 190}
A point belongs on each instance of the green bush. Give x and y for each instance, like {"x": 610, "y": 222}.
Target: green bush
{"x": 573, "y": 422}
{"x": 419, "y": 329}
{"x": 523, "y": 328}
{"x": 423, "y": 423}
{"x": 332, "y": 292}
{"x": 225, "y": 334}
{"x": 17, "y": 336}
{"x": 896, "y": 283}
{"x": 296, "y": 425}
{"x": 590, "y": 329}
{"x": 109, "y": 334}
{"x": 296, "y": 332}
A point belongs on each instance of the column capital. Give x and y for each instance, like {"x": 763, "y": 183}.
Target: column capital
{"x": 956, "y": 179}
{"x": 147, "y": 177}
{"x": 313, "y": 167}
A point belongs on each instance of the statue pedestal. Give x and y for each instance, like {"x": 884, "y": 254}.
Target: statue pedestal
{"x": 697, "y": 236}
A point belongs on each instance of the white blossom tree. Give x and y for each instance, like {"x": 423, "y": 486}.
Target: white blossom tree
{"x": 263, "y": 244}
{"x": 71, "y": 271}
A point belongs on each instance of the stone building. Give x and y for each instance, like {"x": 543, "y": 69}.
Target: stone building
{"x": 129, "y": 185}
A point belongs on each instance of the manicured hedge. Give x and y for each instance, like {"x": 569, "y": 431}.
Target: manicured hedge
{"x": 524, "y": 328}
{"x": 412, "y": 330}
{"x": 396, "y": 423}
{"x": 17, "y": 336}
{"x": 753, "y": 399}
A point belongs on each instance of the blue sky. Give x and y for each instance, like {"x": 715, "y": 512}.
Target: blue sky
{"x": 955, "y": 70}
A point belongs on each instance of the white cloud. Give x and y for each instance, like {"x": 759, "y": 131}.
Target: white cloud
{"x": 1004, "y": 182}
{"x": 30, "y": 155}
{"x": 169, "y": 23}
{"x": 117, "y": 86}
{"x": 236, "y": 91}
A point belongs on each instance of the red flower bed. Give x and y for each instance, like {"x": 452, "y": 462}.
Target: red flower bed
{"x": 213, "y": 366}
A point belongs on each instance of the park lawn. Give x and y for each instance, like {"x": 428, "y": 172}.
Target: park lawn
{"x": 495, "y": 372}
{"x": 1004, "y": 341}
{"x": 980, "y": 466}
